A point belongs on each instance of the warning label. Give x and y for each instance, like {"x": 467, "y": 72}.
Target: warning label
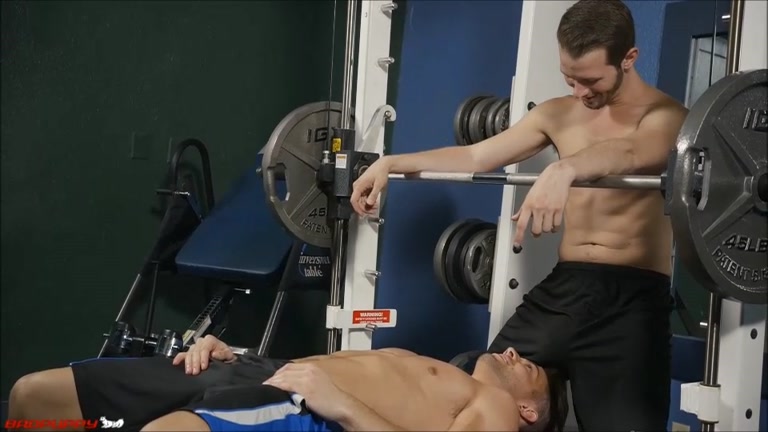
{"x": 371, "y": 317}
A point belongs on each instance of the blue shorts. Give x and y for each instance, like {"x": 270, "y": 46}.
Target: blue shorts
{"x": 258, "y": 408}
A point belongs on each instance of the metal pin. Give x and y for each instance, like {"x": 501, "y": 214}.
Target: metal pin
{"x": 389, "y": 7}
{"x": 375, "y": 220}
{"x": 386, "y": 61}
{"x": 372, "y": 273}
{"x": 371, "y": 327}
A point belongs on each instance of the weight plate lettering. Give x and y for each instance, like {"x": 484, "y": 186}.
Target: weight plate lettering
{"x": 476, "y": 127}
{"x": 719, "y": 219}
{"x": 291, "y": 160}
{"x": 477, "y": 259}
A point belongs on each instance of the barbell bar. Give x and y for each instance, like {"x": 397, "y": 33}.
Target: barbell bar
{"x": 647, "y": 182}
{"x": 714, "y": 187}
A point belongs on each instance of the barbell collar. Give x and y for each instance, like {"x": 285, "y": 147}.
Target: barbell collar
{"x": 608, "y": 182}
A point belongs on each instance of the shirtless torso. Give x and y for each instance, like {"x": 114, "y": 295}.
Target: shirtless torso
{"x": 412, "y": 391}
{"x": 612, "y": 226}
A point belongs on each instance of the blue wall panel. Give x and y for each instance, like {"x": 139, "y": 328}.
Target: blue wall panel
{"x": 451, "y": 50}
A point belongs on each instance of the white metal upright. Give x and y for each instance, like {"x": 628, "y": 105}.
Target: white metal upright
{"x": 537, "y": 79}
{"x": 371, "y": 94}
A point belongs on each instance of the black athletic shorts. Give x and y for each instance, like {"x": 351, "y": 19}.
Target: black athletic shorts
{"x": 228, "y": 396}
{"x": 607, "y": 327}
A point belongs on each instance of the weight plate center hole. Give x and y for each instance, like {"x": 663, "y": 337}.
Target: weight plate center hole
{"x": 762, "y": 187}
{"x": 281, "y": 182}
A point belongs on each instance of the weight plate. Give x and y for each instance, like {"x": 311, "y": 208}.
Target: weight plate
{"x": 490, "y": 130}
{"x": 441, "y": 249}
{"x": 291, "y": 159}
{"x": 721, "y": 232}
{"x": 458, "y": 120}
{"x": 453, "y": 275}
{"x": 501, "y": 121}
{"x": 454, "y": 261}
{"x": 461, "y": 119}
{"x": 477, "y": 260}
{"x": 476, "y": 126}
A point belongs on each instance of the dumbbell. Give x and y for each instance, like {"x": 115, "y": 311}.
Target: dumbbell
{"x": 123, "y": 340}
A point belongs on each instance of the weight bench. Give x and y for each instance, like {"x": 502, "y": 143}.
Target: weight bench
{"x": 241, "y": 242}
{"x": 238, "y": 243}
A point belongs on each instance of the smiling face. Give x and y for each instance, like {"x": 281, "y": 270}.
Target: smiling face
{"x": 523, "y": 379}
{"x": 594, "y": 81}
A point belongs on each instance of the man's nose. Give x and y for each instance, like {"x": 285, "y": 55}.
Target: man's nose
{"x": 580, "y": 91}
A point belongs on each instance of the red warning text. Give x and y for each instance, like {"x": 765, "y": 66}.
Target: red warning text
{"x": 11, "y": 424}
{"x": 371, "y": 317}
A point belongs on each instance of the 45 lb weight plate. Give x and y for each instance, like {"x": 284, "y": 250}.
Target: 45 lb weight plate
{"x": 718, "y": 209}
{"x": 293, "y": 155}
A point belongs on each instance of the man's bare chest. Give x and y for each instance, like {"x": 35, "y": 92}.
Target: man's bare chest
{"x": 573, "y": 136}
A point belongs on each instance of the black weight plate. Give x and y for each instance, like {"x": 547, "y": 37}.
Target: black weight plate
{"x": 721, "y": 231}
{"x": 501, "y": 121}
{"x": 477, "y": 263}
{"x": 441, "y": 249}
{"x": 491, "y": 117}
{"x": 458, "y": 120}
{"x": 453, "y": 284}
{"x": 454, "y": 264}
{"x": 476, "y": 128}
{"x": 461, "y": 120}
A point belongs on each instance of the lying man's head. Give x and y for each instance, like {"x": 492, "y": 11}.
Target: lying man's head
{"x": 540, "y": 393}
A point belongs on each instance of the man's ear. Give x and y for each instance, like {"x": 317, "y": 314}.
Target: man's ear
{"x": 528, "y": 412}
{"x": 630, "y": 59}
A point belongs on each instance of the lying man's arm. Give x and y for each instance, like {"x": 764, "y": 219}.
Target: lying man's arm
{"x": 325, "y": 399}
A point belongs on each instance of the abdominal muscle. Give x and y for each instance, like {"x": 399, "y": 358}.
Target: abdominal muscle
{"x": 410, "y": 391}
{"x": 617, "y": 226}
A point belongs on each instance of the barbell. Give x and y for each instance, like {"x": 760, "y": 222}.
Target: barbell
{"x": 715, "y": 187}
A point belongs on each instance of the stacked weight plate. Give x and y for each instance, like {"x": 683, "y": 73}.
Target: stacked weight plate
{"x": 480, "y": 117}
{"x": 463, "y": 260}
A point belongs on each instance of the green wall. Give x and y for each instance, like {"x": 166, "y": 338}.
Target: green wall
{"x": 92, "y": 95}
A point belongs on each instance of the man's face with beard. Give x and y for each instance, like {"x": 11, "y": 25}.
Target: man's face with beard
{"x": 594, "y": 81}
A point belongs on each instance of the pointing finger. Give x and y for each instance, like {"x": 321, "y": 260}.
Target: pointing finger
{"x": 522, "y": 224}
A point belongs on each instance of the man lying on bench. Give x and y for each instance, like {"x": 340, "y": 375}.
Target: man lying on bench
{"x": 209, "y": 388}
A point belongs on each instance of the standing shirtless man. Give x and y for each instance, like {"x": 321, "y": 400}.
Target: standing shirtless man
{"x": 602, "y": 315}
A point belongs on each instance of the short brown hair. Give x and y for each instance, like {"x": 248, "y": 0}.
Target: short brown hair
{"x": 594, "y": 24}
{"x": 553, "y": 409}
